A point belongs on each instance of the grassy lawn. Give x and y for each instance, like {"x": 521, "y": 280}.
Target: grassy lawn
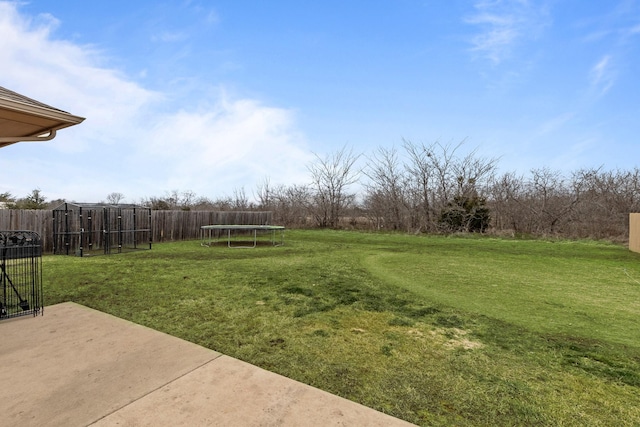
{"x": 433, "y": 330}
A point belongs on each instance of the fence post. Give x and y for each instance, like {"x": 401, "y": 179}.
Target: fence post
{"x": 634, "y": 232}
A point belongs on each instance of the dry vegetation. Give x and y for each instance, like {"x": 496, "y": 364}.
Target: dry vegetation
{"x": 426, "y": 188}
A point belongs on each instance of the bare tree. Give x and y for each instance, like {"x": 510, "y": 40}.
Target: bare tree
{"x": 331, "y": 176}
{"x": 505, "y": 199}
{"x": 552, "y": 200}
{"x": 386, "y": 189}
{"x": 590, "y": 203}
{"x": 474, "y": 174}
{"x": 186, "y": 200}
{"x": 438, "y": 175}
{"x": 114, "y": 198}
{"x": 607, "y": 199}
{"x": 442, "y": 158}
{"x": 239, "y": 200}
{"x": 264, "y": 194}
{"x": 544, "y": 203}
{"x": 292, "y": 204}
{"x": 202, "y": 204}
{"x": 421, "y": 182}
{"x": 174, "y": 200}
{"x": 445, "y": 189}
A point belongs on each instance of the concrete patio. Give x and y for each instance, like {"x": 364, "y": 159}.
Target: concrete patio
{"x": 76, "y": 366}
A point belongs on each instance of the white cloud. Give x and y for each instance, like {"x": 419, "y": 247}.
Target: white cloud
{"x": 502, "y": 24}
{"x": 497, "y": 34}
{"x": 69, "y": 77}
{"x": 134, "y": 140}
{"x": 232, "y": 144}
{"x": 602, "y": 75}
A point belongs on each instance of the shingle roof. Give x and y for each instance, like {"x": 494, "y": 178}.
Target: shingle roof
{"x": 25, "y": 119}
{"x": 14, "y": 96}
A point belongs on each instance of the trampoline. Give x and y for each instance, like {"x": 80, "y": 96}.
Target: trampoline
{"x": 208, "y": 233}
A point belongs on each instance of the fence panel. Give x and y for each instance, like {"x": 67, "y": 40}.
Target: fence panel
{"x": 634, "y": 232}
{"x": 166, "y": 226}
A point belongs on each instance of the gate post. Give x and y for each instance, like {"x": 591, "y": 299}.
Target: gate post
{"x": 634, "y": 232}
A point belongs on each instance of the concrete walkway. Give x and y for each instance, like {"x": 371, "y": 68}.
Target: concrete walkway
{"x": 76, "y": 366}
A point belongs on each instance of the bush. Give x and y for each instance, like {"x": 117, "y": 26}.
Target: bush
{"x": 465, "y": 214}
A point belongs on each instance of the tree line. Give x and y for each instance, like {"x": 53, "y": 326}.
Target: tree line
{"x": 425, "y": 188}
{"x": 438, "y": 188}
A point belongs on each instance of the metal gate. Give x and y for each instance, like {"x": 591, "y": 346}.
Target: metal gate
{"x": 20, "y": 273}
{"x": 98, "y": 228}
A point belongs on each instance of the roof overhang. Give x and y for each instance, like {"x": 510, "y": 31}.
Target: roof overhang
{"x": 24, "y": 119}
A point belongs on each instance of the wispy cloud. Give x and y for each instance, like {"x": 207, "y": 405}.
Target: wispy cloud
{"x": 618, "y": 23}
{"x": 209, "y": 14}
{"x": 502, "y": 24}
{"x": 611, "y": 36}
{"x": 136, "y": 141}
{"x": 602, "y": 75}
{"x": 168, "y": 36}
{"x": 555, "y": 123}
{"x": 212, "y": 16}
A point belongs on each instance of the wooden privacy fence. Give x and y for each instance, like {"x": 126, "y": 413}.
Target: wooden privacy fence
{"x": 634, "y": 232}
{"x": 40, "y": 221}
{"x": 166, "y": 226}
{"x": 185, "y": 225}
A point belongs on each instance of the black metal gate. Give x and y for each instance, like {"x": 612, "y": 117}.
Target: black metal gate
{"x": 20, "y": 273}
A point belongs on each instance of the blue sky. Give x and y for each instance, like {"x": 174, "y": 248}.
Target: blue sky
{"x": 216, "y": 96}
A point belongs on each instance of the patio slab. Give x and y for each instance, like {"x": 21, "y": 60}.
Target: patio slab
{"x": 76, "y": 366}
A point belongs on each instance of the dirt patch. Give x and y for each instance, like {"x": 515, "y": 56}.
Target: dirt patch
{"x": 457, "y": 338}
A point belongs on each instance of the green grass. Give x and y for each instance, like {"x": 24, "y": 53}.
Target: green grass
{"x": 434, "y": 330}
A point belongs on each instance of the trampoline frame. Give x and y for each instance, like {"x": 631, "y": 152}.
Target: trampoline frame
{"x": 229, "y": 228}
